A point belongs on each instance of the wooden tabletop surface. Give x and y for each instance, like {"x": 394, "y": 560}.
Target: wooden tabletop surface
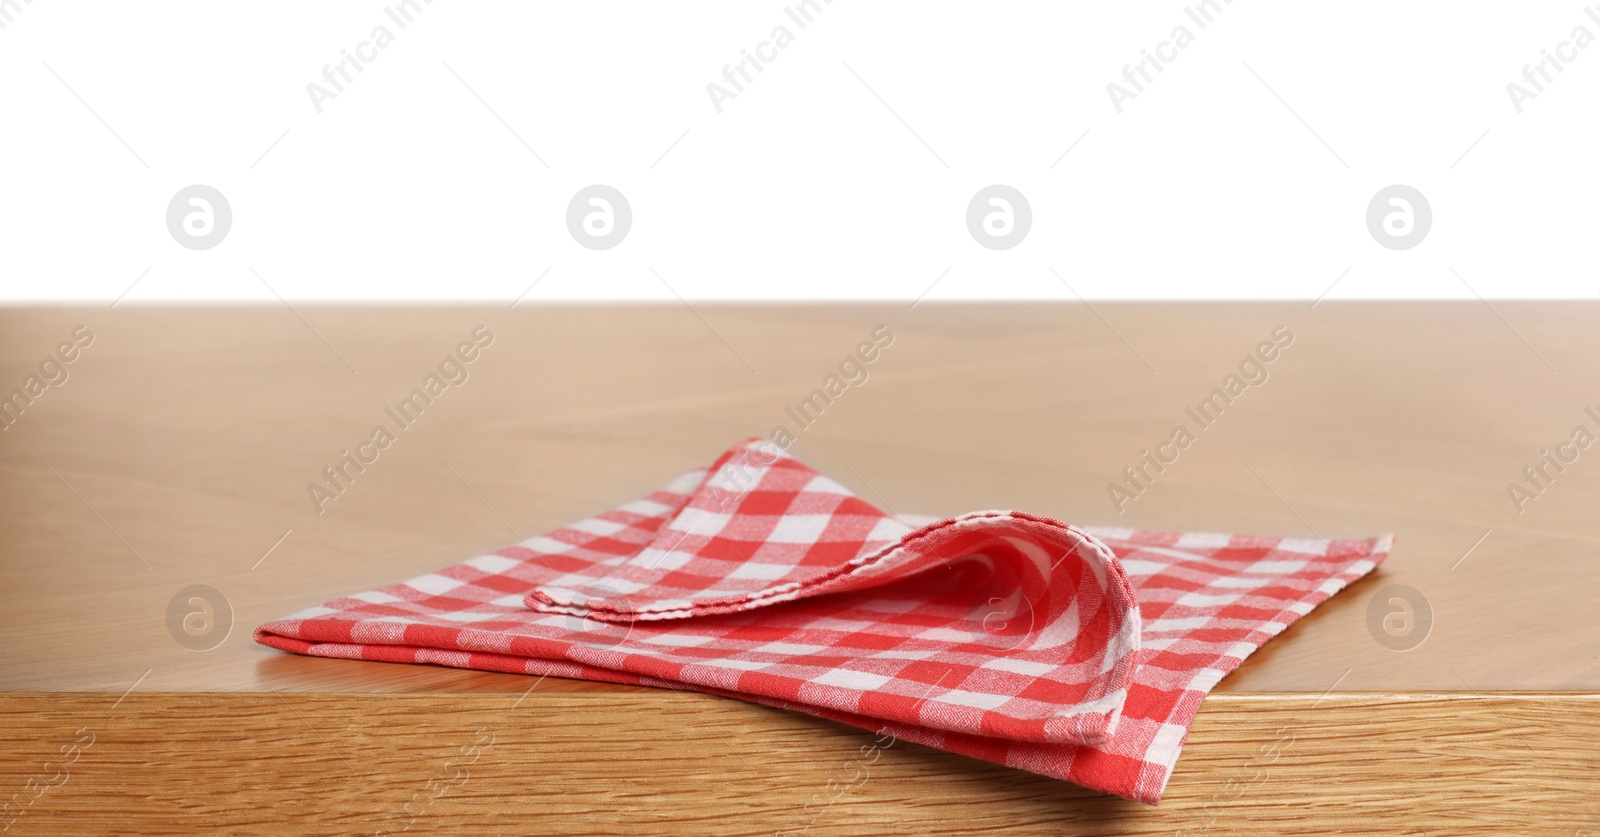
{"x": 168, "y": 447}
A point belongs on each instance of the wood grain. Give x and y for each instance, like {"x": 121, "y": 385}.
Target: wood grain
{"x": 596, "y": 765}
{"x": 178, "y": 451}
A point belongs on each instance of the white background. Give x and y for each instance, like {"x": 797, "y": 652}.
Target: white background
{"x": 1243, "y": 171}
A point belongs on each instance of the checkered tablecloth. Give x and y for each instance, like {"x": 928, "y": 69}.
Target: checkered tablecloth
{"x": 1081, "y": 654}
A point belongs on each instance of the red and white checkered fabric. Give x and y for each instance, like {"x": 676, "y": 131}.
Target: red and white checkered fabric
{"x": 1078, "y": 654}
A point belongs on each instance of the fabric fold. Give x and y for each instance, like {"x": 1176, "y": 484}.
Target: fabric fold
{"x": 1080, "y": 654}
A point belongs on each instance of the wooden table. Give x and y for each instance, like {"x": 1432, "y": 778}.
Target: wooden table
{"x": 178, "y": 450}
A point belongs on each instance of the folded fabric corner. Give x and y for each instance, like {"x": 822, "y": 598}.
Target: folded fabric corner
{"x": 762, "y": 529}
{"x": 1079, "y": 654}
